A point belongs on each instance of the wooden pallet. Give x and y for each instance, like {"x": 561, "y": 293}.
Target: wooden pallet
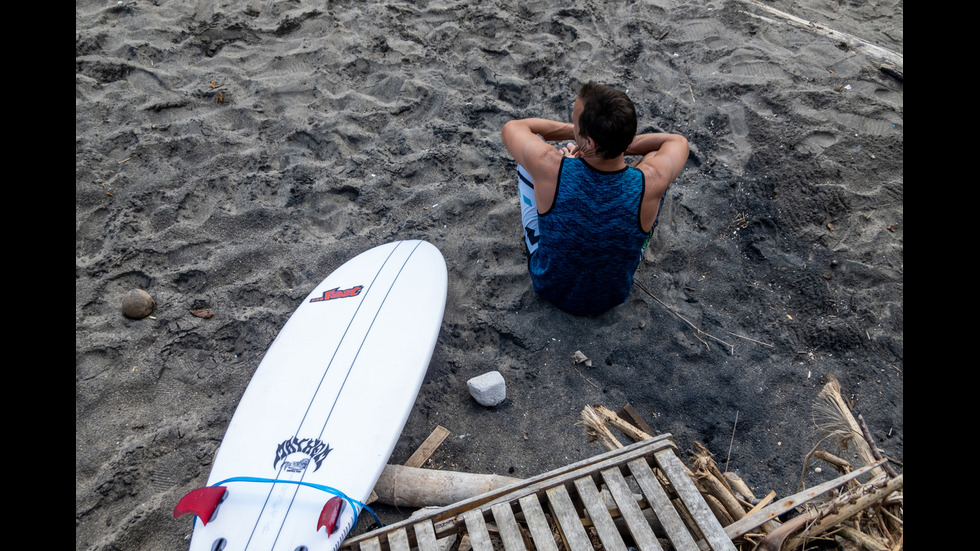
{"x": 650, "y": 490}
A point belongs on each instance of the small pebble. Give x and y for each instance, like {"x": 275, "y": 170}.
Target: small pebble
{"x": 138, "y": 304}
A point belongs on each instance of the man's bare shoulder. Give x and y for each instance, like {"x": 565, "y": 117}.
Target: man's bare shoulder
{"x": 539, "y": 157}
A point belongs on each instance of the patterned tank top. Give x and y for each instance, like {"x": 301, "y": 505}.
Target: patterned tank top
{"x": 592, "y": 239}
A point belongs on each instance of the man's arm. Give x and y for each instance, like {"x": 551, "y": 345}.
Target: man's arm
{"x": 523, "y": 139}
{"x": 664, "y": 156}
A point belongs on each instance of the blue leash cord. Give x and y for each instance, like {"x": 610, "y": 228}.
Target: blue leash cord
{"x": 354, "y": 503}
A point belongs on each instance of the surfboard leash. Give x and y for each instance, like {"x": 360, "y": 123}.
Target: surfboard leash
{"x": 354, "y": 503}
{"x": 204, "y": 501}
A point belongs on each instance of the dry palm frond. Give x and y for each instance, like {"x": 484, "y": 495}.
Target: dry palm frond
{"x": 832, "y": 416}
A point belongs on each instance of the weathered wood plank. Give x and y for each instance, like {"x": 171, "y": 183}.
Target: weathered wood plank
{"x": 568, "y": 519}
{"x": 510, "y": 532}
{"x": 425, "y": 536}
{"x": 638, "y": 526}
{"x": 634, "y": 417}
{"x": 537, "y": 524}
{"x": 476, "y": 527}
{"x": 372, "y": 544}
{"x": 398, "y": 540}
{"x": 428, "y": 447}
{"x": 714, "y": 534}
{"x": 676, "y": 530}
{"x": 601, "y": 519}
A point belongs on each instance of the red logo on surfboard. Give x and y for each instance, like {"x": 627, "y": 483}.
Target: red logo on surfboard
{"x": 337, "y": 292}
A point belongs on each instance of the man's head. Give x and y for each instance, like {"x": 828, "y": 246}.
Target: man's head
{"x": 607, "y": 116}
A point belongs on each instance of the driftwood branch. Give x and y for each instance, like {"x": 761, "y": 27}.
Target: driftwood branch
{"x": 848, "y": 505}
{"x": 888, "y": 58}
{"x": 821, "y": 520}
{"x": 403, "y": 486}
{"x": 710, "y": 485}
{"x": 782, "y": 505}
{"x": 741, "y": 489}
{"x": 833, "y": 417}
{"x": 874, "y": 448}
{"x": 774, "y": 541}
{"x": 841, "y": 465}
{"x": 863, "y": 540}
{"x": 409, "y": 485}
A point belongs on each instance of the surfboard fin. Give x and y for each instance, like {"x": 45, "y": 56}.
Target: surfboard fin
{"x": 330, "y": 514}
{"x": 202, "y": 502}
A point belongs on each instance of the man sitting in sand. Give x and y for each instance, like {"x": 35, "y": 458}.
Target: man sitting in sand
{"x": 587, "y": 215}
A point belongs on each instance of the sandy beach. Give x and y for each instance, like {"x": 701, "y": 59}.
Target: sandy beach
{"x": 230, "y": 155}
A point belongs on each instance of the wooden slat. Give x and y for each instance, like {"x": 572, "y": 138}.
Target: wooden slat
{"x": 537, "y": 524}
{"x": 476, "y": 527}
{"x": 568, "y": 519}
{"x": 398, "y": 540}
{"x": 657, "y": 498}
{"x": 638, "y": 526}
{"x": 714, "y": 534}
{"x": 372, "y": 544}
{"x": 510, "y": 532}
{"x": 601, "y": 519}
{"x": 425, "y": 536}
{"x": 430, "y": 445}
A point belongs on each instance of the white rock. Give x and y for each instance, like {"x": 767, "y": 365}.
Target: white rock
{"x": 488, "y": 389}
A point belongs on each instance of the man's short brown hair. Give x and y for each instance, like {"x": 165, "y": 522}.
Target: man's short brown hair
{"x": 608, "y": 117}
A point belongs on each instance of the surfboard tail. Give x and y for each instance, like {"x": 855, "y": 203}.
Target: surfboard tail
{"x": 202, "y": 502}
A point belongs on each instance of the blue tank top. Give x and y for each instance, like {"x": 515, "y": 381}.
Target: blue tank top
{"x": 591, "y": 239}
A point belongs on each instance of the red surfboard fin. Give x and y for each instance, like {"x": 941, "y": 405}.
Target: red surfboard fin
{"x": 330, "y": 514}
{"x": 202, "y": 502}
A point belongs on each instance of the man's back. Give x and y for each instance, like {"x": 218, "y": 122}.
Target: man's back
{"x": 591, "y": 239}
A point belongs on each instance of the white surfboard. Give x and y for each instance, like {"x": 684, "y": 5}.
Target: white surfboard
{"x": 325, "y": 407}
